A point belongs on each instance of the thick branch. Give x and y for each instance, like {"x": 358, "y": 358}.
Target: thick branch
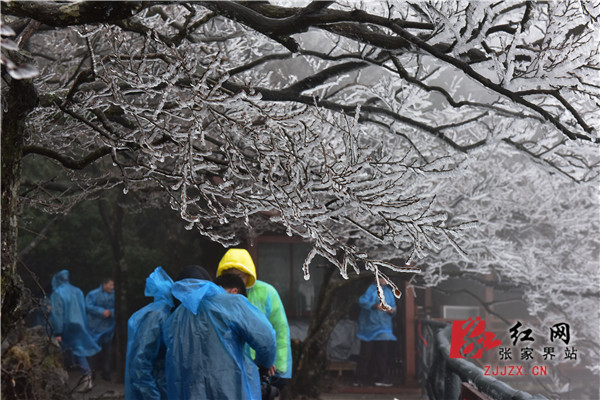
{"x": 286, "y": 95}
{"x": 291, "y": 24}
{"x": 468, "y": 70}
{"x": 521, "y": 147}
{"x": 322, "y": 76}
{"x": 556, "y": 94}
{"x": 73, "y": 13}
{"x": 66, "y": 161}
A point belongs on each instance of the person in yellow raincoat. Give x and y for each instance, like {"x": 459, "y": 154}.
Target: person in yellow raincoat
{"x": 265, "y": 298}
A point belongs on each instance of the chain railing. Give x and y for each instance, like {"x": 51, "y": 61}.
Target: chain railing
{"x": 442, "y": 377}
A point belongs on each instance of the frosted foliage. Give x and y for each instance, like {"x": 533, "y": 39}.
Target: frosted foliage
{"x": 536, "y": 232}
{"x": 443, "y": 133}
{"x": 306, "y": 166}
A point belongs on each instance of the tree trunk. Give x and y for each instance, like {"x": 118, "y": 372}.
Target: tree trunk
{"x": 17, "y": 101}
{"x": 31, "y": 363}
{"x": 114, "y": 225}
{"x": 310, "y": 360}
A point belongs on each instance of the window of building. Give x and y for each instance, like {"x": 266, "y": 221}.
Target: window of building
{"x": 280, "y": 264}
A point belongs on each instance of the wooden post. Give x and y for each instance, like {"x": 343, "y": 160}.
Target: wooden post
{"x": 469, "y": 392}
{"x": 428, "y": 302}
{"x": 489, "y": 297}
{"x": 410, "y": 361}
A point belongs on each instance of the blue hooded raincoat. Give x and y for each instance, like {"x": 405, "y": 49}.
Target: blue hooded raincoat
{"x": 96, "y": 301}
{"x": 374, "y": 324}
{"x": 68, "y": 317}
{"x": 145, "y": 363}
{"x": 206, "y": 337}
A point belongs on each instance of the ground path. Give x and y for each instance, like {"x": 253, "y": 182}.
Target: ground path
{"x": 103, "y": 390}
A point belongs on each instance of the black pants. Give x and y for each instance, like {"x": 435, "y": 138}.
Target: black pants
{"x": 103, "y": 360}
{"x": 373, "y": 360}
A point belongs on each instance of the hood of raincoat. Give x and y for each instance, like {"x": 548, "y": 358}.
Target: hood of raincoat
{"x": 241, "y": 260}
{"x": 191, "y": 292}
{"x": 60, "y": 278}
{"x": 158, "y": 285}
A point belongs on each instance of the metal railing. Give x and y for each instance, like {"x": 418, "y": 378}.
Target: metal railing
{"x": 441, "y": 376}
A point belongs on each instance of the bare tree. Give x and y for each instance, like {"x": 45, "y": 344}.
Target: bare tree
{"x": 359, "y": 127}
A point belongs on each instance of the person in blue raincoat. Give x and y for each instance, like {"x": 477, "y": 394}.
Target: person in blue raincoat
{"x": 145, "y": 360}
{"x": 100, "y": 306}
{"x": 206, "y": 337}
{"x": 376, "y": 336}
{"x": 69, "y": 323}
